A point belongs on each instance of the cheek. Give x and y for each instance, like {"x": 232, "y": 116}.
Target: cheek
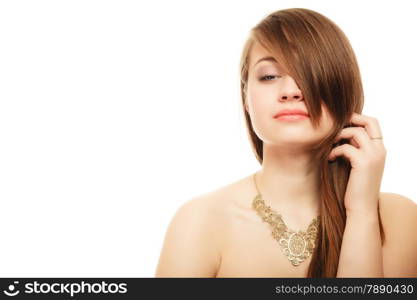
{"x": 261, "y": 100}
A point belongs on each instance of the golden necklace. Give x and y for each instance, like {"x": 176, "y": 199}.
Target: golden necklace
{"x": 297, "y": 246}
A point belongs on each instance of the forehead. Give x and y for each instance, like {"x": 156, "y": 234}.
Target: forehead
{"x": 258, "y": 53}
{"x": 258, "y": 49}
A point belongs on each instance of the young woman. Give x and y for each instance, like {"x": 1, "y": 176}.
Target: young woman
{"x": 314, "y": 209}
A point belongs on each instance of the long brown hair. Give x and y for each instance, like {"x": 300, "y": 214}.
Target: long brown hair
{"x": 318, "y": 55}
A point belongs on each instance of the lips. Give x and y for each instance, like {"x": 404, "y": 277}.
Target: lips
{"x": 291, "y": 112}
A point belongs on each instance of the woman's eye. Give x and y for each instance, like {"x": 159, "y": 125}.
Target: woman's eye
{"x": 267, "y": 76}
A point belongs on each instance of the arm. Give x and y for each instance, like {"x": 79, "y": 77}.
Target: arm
{"x": 361, "y": 251}
{"x": 189, "y": 248}
{"x": 362, "y": 254}
{"x": 399, "y": 217}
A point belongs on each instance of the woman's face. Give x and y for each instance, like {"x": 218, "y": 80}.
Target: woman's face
{"x": 275, "y": 92}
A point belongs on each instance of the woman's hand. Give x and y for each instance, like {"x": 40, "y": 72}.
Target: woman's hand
{"x": 367, "y": 158}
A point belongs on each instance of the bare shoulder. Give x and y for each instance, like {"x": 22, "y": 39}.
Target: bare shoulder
{"x": 193, "y": 240}
{"x": 395, "y": 200}
{"x": 393, "y": 206}
{"x": 399, "y": 220}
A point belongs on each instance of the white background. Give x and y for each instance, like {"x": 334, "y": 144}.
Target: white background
{"x": 114, "y": 113}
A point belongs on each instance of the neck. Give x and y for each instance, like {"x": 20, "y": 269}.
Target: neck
{"x": 288, "y": 180}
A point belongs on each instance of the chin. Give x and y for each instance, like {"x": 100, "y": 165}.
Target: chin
{"x": 292, "y": 141}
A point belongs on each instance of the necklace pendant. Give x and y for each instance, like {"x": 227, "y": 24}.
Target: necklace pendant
{"x": 296, "y": 246}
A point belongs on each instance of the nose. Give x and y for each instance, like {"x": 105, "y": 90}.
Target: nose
{"x": 290, "y": 91}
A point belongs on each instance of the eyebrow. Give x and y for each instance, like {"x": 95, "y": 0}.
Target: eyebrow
{"x": 267, "y": 58}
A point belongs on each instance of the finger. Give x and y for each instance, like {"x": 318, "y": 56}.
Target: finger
{"x": 345, "y": 150}
{"x": 350, "y": 141}
{"x": 358, "y": 134}
{"x": 369, "y": 123}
